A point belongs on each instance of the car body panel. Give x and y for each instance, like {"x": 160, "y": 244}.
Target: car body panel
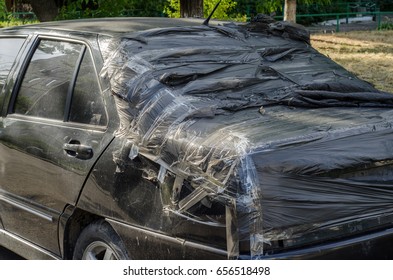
{"x": 54, "y": 179}
{"x": 370, "y": 246}
{"x": 131, "y": 195}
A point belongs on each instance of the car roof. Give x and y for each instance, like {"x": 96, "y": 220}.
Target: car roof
{"x": 114, "y": 26}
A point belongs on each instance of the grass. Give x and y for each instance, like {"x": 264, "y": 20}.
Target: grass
{"x": 367, "y": 54}
{"x": 15, "y": 22}
{"x": 12, "y": 23}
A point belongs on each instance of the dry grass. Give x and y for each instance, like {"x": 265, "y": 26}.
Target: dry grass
{"x": 367, "y": 54}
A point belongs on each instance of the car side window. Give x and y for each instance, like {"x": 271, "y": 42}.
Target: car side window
{"x": 9, "y": 48}
{"x": 87, "y": 103}
{"x": 60, "y": 83}
{"x": 44, "y": 88}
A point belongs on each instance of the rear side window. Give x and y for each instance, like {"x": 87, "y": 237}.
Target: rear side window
{"x": 43, "y": 92}
{"x": 60, "y": 83}
{"x": 9, "y": 48}
{"x": 86, "y": 106}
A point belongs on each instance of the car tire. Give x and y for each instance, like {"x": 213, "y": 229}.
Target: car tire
{"x": 99, "y": 241}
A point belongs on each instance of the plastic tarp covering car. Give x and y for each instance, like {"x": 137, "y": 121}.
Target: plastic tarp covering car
{"x": 296, "y": 148}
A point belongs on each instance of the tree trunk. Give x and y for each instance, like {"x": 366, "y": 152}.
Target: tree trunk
{"x": 191, "y": 8}
{"x": 45, "y": 10}
{"x": 9, "y": 5}
{"x": 290, "y": 11}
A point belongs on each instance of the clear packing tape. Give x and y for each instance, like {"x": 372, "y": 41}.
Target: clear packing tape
{"x": 251, "y": 117}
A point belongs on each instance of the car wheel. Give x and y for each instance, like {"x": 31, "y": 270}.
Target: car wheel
{"x": 99, "y": 241}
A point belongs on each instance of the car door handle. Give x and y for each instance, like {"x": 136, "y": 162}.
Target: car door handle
{"x": 78, "y": 151}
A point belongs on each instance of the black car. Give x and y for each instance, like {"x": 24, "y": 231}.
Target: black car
{"x": 155, "y": 138}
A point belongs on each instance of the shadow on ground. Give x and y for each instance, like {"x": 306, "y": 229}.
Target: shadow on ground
{"x": 8, "y": 255}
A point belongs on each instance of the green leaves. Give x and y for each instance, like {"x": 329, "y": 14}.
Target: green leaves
{"x": 226, "y": 10}
{"x": 3, "y": 12}
{"x": 104, "y": 8}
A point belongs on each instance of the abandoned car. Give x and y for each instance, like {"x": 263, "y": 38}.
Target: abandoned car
{"x": 155, "y": 138}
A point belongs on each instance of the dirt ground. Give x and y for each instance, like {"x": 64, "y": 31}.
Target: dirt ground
{"x": 361, "y": 49}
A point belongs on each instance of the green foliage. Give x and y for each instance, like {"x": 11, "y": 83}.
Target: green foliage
{"x": 277, "y": 6}
{"x": 254, "y": 7}
{"x": 224, "y": 11}
{"x": 3, "y": 12}
{"x": 310, "y": 2}
{"x": 8, "y": 19}
{"x": 172, "y": 8}
{"x": 385, "y": 5}
{"x": 319, "y": 7}
{"x": 386, "y": 26}
{"x": 103, "y": 8}
{"x": 12, "y": 21}
{"x": 269, "y": 6}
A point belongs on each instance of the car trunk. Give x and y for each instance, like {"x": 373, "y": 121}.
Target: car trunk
{"x": 326, "y": 175}
{"x": 307, "y": 176}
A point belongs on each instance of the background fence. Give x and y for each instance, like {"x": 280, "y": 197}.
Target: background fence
{"x": 346, "y": 21}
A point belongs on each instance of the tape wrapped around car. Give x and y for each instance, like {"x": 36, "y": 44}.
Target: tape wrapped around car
{"x": 251, "y": 117}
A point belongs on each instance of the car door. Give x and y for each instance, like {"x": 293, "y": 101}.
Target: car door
{"x": 54, "y": 131}
{"x": 9, "y": 50}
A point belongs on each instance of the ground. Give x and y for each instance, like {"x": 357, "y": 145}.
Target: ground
{"x": 367, "y": 54}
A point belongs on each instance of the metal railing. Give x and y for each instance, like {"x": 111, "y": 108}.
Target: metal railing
{"x": 338, "y": 17}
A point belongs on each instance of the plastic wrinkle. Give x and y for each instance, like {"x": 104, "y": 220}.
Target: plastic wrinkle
{"x": 239, "y": 112}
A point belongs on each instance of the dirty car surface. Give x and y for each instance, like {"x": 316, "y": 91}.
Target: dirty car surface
{"x": 157, "y": 138}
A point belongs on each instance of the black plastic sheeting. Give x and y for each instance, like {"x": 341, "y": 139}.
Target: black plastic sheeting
{"x": 296, "y": 148}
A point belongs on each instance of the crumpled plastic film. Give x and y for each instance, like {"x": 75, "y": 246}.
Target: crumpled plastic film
{"x": 252, "y": 117}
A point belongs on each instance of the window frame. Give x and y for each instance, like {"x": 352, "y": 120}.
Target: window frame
{"x": 3, "y": 90}
{"x": 85, "y": 50}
